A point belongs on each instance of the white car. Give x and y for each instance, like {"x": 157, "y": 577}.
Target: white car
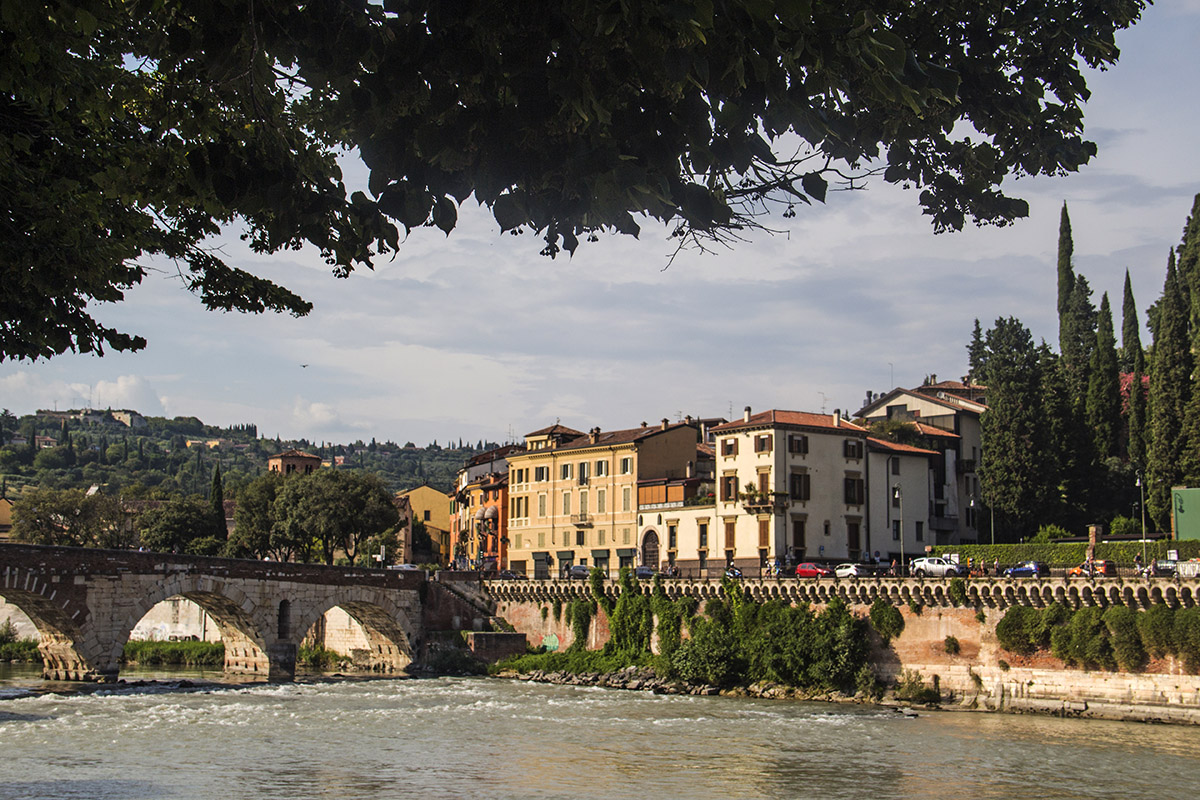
{"x": 934, "y": 567}
{"x": 849, "y": 570}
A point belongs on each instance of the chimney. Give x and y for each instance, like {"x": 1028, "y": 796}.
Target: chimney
{"x": 933, "y": 377}
{"x": 594, "y": 435}
{"x": 746, "y": 414}
{"x": 688, "y": 419}
{"x": 643, "y": 423}
{"x": 665, "y": 422}
{"x": 837, "y": 413}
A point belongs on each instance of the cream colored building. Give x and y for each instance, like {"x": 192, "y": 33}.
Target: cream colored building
{"x": 791, "y": 485}
{"x": 573, "y": 497}
{"x": 948, "y": 421}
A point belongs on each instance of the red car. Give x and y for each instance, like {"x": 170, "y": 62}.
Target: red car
{"x": 811, "y": 570}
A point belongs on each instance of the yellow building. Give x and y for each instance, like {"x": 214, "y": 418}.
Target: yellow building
{"x": 5, "y": 518}
{"x": 433, "y": 508}
{"x": 573, "y": 497}
{"x": 294, "y": 462}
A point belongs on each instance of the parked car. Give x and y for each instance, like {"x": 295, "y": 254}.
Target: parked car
{"x": 1095, "y": 569}
{"x": 581, "y": 571}
{"x": 1162, "y": 568}
{"x": 643, "y": 572}
{"x": 936, "y": 567}
{"x": 509, "y": 575}
{"x": 851, "y": 570}
{"x": 404, "y": 567}
{"x": 1028, "y": 569}
{"x": 808, "y": 569}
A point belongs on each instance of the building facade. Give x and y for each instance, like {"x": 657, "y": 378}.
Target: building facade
{"x": 573, "y": 497}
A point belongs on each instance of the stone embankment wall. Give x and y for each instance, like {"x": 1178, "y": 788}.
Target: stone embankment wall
{"x": 976, "y": 676}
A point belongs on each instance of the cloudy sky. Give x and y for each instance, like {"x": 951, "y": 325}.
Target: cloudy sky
{"x": 477, "y": 336}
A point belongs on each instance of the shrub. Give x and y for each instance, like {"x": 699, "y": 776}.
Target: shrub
{"x": 1186, "y": 634}
{"x": 980, "y": 617}
{"x": 185, "y": 654}
{"x": 886, "y": 619}
{"x": 866, "y": 684}
{"x": 1020, "y": 630}
{"x": 958, "y": 591}
{"x": 318, "y": 657}
{"x": 951, "y": 645}
{"x": 912, "y": 688}
{"x": 1003, "y": 665}
{"x": 1156, "y": 627}
{"x": 914, "y": 605}
{"x": 1127, "y": 648}
{"x": 1084, "y": 641}
{"x": 1124, "y": 526}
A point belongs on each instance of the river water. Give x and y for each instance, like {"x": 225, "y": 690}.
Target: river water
{"x": 487, "y": 738}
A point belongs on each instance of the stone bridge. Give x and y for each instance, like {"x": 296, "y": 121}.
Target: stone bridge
{"x": 85, "y": 602}
{"x": 1000, "y": 593}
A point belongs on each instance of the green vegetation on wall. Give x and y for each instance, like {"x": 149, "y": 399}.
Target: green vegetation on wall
{"x": 1067, "y": 555}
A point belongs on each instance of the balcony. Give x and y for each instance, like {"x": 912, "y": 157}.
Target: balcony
{"x": 581, "y": 520}
{"x": 765, "y": 502}
{"x": 965, "y": 466}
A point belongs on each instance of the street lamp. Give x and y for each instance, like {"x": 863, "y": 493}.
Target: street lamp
{"x": 1142, "y": 486}
{"x": 899, "y": 498}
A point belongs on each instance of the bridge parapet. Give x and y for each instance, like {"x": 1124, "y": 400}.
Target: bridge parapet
{"x": 85, "y": 602}
{"x": 990, "y": 592}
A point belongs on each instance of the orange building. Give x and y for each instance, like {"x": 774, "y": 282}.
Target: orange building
{"x": 294, "y": 461}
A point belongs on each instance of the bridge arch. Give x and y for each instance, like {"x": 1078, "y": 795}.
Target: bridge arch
{"x": 68, "y": 653}
{"x": 236, "y": 615}
{"x": 390, "y": 633}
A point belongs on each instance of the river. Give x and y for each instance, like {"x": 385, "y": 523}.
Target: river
{"x": 487, "y": 738}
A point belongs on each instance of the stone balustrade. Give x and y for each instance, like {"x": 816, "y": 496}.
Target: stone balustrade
{"x": 1000, "y": 593}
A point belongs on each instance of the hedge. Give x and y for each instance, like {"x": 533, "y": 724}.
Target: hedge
{"x": 1069, "y": 554}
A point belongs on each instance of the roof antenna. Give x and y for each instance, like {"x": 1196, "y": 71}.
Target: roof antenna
{"x": 824, "y": 399}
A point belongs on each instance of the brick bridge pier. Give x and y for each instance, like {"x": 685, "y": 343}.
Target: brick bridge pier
{"x": 85, "y": 602}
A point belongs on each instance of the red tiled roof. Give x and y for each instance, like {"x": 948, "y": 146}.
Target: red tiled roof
{"x": 896, "y": 447}
{"x": 556, "y": 428}
{"x": 610, "y": 438}
{"x": 931, "y": 430}
{"x": 803, "y": 419}
{"x": 296, "y": 454}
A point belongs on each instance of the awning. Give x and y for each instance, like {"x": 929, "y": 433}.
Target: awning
{"x": 601, "y": 555}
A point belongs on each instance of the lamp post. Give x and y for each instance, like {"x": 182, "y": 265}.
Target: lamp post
{"x": 899, "y": 497}
{"x": 1142, "y": 486}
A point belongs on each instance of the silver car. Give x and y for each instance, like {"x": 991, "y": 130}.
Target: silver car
{"x": 936, "y": 567}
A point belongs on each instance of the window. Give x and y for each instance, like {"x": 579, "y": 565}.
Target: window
{"x": 601, "y": 539}
{"x": 583, "y": 502}
{"x": 763, "y": 443}
{"x": 826, "y": 527}
{"x": 625, "y": 499}
{"x": 920, "y": 531}
{"x": 542, "y": 539}
{"x": 801, "y": 486}
{"x": 764, "y": 482}
{"x": 426, "y": 515}
{"x": 517, "y": 542}
{"x": 541, "y": 505}
{"x": 853, "y": 448}
{"x": 703, "y": 560}
{"x": 541, "y": 473}
{"x": 672, "y": 538}
{"x": 601, "y": 469}
{"x": 895, "y": 530}
{"x": 566, "y": 472}
{"x": 798, "y": 443}
{"x": 729, "y": 488}
{"x": 895, "y": 465}
{"x": 798, "y": 534}
{"x": 703, "y": 534}
{"x": 584, "y": 470}
{"x": 854, "y": 491}
{"x": 601, "y": 501}
{"x": 626, "y": 466}
{"x": 579, "y": 537}
{"x": 566, "y": 504}
{"x": 729, "y": 447}
{"x": 764, "y": 533}
{"x": 624, "y": 535}
{"x": 852, "y": 531}
{"x": 730, "y": 535}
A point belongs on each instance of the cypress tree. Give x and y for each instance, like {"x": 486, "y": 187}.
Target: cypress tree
{"x": 1103, "y": 407}
{"x": 1189, "y": 270}
{"x": 217, "y": 502}
{"x": 976, "y": 356}
{"x": 1066, "y": 274}
{"x": 1170, "y": 385}
{"x": 1013, "y": 430}
{"x": 1132, "y": 357}
{"x": 1056, "y": 410}
{"x": 1137, "y": 419}
{"x": 1078, "y": 340}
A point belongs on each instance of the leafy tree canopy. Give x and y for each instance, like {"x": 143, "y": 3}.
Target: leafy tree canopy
{"x": 139, "y": 128}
